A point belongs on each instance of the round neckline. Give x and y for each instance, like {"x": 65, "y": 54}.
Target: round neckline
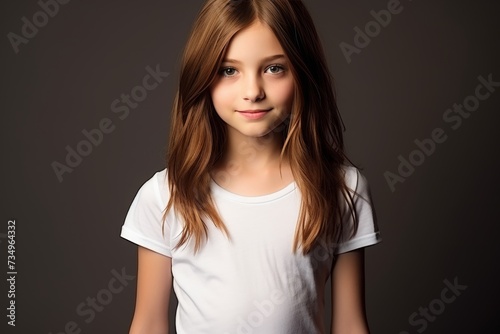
{"x": 219, "y": 191}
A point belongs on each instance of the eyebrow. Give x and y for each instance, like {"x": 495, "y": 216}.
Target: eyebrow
{"x": 228, "y": 60}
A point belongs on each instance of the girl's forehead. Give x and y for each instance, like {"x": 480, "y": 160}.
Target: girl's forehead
{"x": 254, "y": 41}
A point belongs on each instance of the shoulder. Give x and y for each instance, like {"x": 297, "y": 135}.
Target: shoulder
{"x": 354, "y": 179}
{"x": 162, "y": 185}
{"x": 154, "y": 191}
{"x": 365, "y": 232}
{"x": 144, "y": 222}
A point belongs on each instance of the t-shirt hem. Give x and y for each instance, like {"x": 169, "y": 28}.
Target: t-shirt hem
{"x": 145, "y": 242}
{"x": 364, "y": 241}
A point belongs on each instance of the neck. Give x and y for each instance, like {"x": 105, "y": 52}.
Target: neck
{"x": 252, "y": 154}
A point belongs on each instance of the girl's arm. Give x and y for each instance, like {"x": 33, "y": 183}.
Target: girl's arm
{"x": 348, "y": 294}
{"x": 154, "y": 284}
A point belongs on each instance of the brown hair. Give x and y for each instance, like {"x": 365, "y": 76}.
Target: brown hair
{"x": 313, "y": 140}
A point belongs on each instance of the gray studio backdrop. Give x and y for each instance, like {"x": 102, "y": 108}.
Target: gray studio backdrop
{"x": 87, "y": 88}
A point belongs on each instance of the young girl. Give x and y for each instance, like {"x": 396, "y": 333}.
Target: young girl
{"x": 258, "y": 205}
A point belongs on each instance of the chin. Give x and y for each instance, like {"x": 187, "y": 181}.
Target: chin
{"x": 256, "y": 134}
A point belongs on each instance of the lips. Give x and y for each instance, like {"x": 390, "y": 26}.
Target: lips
{"x": 254, "y": 113}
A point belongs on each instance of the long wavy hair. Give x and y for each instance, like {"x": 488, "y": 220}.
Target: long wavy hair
{"x": 312, "y": 137}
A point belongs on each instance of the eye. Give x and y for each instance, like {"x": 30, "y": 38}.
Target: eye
{"x": 228, "y": 71}
{"x": 275, "y": 69}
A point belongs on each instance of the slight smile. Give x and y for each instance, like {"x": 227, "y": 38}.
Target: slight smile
{"x": 253, "y": 114}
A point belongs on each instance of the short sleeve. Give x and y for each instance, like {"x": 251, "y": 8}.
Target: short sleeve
{"x": 143, "y": 223}
{"x": 367, "y": 233}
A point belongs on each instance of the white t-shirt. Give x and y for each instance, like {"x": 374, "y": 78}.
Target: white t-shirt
{"x": 252, "y": 283}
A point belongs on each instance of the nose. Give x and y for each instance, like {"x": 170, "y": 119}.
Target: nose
{"x": 253, "y": 89}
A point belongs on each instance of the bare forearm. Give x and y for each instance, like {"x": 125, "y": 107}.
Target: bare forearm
{"x": 140, "y": 327}
{"x": 351, "y": 330}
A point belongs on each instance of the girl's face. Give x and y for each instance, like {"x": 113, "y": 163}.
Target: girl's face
{"x": 253, "y": 90}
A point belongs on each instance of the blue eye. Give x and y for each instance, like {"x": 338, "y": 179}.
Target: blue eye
{"x": 228, "y": 71}
{"x": 275, "y": 69}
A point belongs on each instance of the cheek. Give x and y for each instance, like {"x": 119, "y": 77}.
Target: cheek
{"x": 221, "y": 96}
{"x": 283, "y": 93}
